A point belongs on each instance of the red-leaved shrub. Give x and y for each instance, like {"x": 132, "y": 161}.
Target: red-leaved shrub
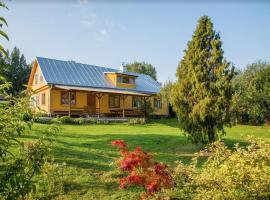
{"x": 142, "y": 170}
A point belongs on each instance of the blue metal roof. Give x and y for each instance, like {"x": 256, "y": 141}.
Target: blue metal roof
{"x": 70, "y": 73}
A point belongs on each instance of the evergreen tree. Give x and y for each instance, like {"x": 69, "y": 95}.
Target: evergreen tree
{"x": 202, "y": 93}
{"x": 15, "y": 70}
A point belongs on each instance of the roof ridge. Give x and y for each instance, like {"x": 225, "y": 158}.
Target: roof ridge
{"x": 76, "y": 62}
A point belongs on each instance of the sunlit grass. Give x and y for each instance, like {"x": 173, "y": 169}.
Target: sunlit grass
{"x": 88, "y": 152}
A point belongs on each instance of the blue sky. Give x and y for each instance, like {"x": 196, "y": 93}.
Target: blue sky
{"x": 107, "y": 34}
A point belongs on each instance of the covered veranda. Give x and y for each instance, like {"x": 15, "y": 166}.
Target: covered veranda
{"x": 97, "y": 102}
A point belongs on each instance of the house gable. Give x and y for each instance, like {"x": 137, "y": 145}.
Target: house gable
{"x": 36, "y": 79}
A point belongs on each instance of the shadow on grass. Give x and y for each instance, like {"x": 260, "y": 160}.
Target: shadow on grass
{"x": 94, "y": 151}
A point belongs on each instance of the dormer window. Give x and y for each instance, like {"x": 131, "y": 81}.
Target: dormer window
{"x": 122, "y": 80}
{"x": 125, "y": 79}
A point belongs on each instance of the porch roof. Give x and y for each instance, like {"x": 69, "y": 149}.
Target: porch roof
{"x": 101, "y": 90}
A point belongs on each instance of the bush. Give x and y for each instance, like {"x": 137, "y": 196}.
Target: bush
{"x": 65, "y": 120}
{"x": 43, "y": 120}
{"x": 56, "y": 120}
{"x": 91, "y": 120}
{"x": 103, "y": 121}
{"x": 142, "y": 170}
{"x": 243, "y": 173}
{"x": 51, "y": 181}
{"x": 79, "y": 121}
{"x": 134, "y": 121}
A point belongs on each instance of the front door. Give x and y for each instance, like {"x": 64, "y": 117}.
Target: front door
{"x": 91, "y": 104}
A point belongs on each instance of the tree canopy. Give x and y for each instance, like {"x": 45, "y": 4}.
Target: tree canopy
{"x": 202, "y": 93}
{"x": 142, "y": 68}
{"x": 3, "y": 33}
{"x": 252, "y": 93}
{"x": 15, "y": 70}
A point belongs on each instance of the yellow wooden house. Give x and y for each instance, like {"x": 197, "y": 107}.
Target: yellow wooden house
{"x": 70, "y": 88}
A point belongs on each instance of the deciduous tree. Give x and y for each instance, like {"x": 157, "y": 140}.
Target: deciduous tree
{"x": 142, "y": 68}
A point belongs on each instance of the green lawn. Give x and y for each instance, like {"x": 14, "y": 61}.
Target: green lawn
{"x": 88, "y": 153}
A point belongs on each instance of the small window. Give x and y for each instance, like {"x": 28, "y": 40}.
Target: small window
{"x": 36, "y": 79}
{"x": 32, "y": 101}
{"x": 37, "y": 100}
{"x": 131, "y": 80}
{"x": 136, "y": 102}
{"x": 157, "y": 103}
{"x": 119, "y": 79}
{"x": 114, "y": 101}
{"x": 41, "y": 79}
{"x": 65, "y": 98}
{"x": 125, "y": 79}
{"x": 43, "y": 99}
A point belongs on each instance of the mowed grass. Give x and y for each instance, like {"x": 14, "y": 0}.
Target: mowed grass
{"x": 88, "y": 153}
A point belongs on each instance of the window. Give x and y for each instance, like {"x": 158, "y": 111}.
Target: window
{"x": 65, "y": 98}
{"x": 125, "y": 79}
{"x": 43, "y": 97}
{"x": 119, "y": 79}
{"x": 32, "y": 101}
{"x": 41, "y": 79}
{"x": 36, "y": 79}
{"x": 131, "y": 80}
{"x": 37, "y": 100}
{"x": 157, "y": 103}
{"x": 136, "y": 102}
{"x": 114, "y": 101}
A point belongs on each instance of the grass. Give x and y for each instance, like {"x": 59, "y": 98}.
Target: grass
{"x": 88, "y": 153}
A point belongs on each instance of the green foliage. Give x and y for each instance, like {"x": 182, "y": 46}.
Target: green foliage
{"x": 146, "y": 107}
{"x": 142, "y": 68}
{"x": 201, "y": 96}
{"x": 134, "y": 121}
{"x": 51, "y": 182}
{"x": 65, "y": 120}
{"x": 54, "y": 121}
{"x": 15, "y": 70}
{"x": 166, "y": 93}
{"x": 243, "y": 173}
{"x": 17, "y": 179}
{"x": 21, "y": 162}
{"x": 2, "y": 33}
{"x": 251, "y": 101}
{"x": 91, "y": 120}
{"x": 79, "y": 121}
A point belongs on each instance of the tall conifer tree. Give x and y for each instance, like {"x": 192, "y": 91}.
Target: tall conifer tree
{"x": 202, "y": 93}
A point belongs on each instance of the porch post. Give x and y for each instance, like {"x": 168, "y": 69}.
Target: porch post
{"x": 99, "y": 96}
{"x": 124, "y": 98}
{"x": 69, "y": 103}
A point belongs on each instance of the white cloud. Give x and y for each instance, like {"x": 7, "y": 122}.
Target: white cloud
{"x": 103, "y": 32}
{"x": 89, "y": 19}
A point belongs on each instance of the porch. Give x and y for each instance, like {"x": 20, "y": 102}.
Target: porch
{"x": 86, "y": 102}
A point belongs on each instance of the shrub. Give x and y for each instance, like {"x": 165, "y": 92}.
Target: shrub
{"x": 134, "y": 121}
{"x": 43, "y": 120}
{"x": 51, "y": 182}
{"x": 79, "y": 121}
{"x": 56, "y": 120}
{"x": 141, "y": 170}
{"x": 65, "y": 120}
{"x": 91, "y": 120}
{"x": 103, "y": 121}
{"x": 243, "y": 173}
